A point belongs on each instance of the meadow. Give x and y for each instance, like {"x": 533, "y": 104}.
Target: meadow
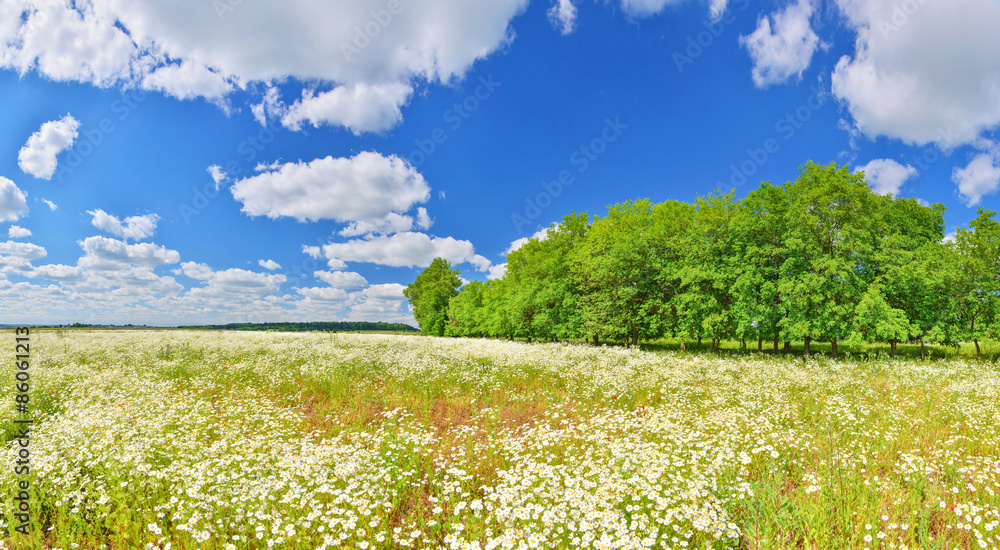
{"x": 222, "y": 440}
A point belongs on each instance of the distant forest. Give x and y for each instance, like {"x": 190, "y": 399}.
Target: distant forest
{"x": 328, "y": 326}
{"x": 820, "y": 258}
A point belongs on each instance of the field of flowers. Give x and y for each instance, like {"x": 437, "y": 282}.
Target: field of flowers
{"x": 210, "y": 440}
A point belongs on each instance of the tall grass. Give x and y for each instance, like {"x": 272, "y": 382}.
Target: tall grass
{"x": 260, "y": 440}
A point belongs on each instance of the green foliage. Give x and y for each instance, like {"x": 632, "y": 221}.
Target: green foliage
{"x": 430, "y": 293}
{"x": 820, "y": 258}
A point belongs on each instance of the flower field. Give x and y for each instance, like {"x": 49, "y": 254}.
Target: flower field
{"x": 211, "y": 440}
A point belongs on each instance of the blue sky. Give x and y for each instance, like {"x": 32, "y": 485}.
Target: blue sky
{"x": 196, "y": 162}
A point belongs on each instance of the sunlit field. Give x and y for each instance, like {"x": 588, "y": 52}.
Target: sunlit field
{"x": 185, "y": 440}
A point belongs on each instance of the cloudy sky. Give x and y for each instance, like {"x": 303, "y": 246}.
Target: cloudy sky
{"x": 192, "y": 161}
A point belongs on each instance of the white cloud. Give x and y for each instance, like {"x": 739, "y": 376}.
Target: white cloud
{"x": 783, "y": 44}
{"x": 347, "y": 280}
{"x": 887, "y": 176}
{"x": 541, "y": 235}
{"x": 406, "y": 250}
{"x": 218, "y": 176}
{"x": 497, "y": 271}
{"x": 360, "y": 108}
{"x": 17, "y": 232}
{"x": 58, "y": 272}
{"x": 195, "y": 270}
{"x": 192, "y": 48}
{"x": 50, "y": 204}
{"x": 15, "y": 256}
{"x": 979, "y": 178}
{"x": 562, "y": 15}
{"x": 392, "y": 223}
{"x": 326, "y": 294}
{"x": 187, "y": 80}
{"x": 647, "y": 7}
{"x": 13, "y": 201}
{"x": 929, "y": 74}
{"x": 38, "y": 156}
{"x": 27, "y": 251}
{"x": 424, "y": 220}
{"x": 133, "y": 227}
{"x": 717, "y": 8}
{"x": 105, "y": 253}
{"x": 269, "y": 265}
{"x": 366, "y": 187}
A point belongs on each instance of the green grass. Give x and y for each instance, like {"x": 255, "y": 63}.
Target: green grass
{"x": 382, "y": 437}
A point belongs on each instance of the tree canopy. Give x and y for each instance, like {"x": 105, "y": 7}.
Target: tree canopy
{"x": 822, "y": 257}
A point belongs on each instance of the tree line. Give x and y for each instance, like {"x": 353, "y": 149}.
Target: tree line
{"x": 820, "y": 258}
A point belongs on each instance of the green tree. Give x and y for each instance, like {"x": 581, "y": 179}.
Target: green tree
{"x": 830, "y": 243}
{"x": 707, "y": 274}
{"x": 466, "y": 313}
{"x": 430, "y": 293}
{"x": 978, "y": 248}
{"x": 616, "y": 268}
{"x": 759, "y": 230}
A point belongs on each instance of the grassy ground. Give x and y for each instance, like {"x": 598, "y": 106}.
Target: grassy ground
{"x": 157, "y": 439}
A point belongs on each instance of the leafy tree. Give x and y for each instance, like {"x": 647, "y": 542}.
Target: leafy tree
{"x": 978, "y": 247}
{"x": 616, "y": 269}
{"x": 759, "y": 233}
{"x": 707, "y": 275}
{"x": 465, "y": 312}
{"x": 829, "y": 239}
{"x": 430, "y": 293}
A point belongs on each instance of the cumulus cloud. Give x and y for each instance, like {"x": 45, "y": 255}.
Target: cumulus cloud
{"x": 13, "y": 201}
{"x": 783, "y": 44}
{"x": 392, "y": 223}
{"x": 981, "y": 177}
{"x": 562, "y": 15}
{"x": 407, "y": 249}
{"x": 269, "y": 265}
{"x": 347, "y": 280}
{"x": 360, "y": 108}
{"x": 922, "y": 72}
{"x": 496, "y": 271}
{"x": 38, "y": 156}
{"x": 106, "y": 253}
{"x": 328, "y": 294}
{"x": 886, "y": 176}
{"x": 187, "y": 80}
{"x": 16, "y": 256}
{"x": 366, "y": 187}
{"x": 192, "y": 48}
{"x": 59, "y": 272}
{"x": 541, "y": 235}
{"x": 17, "y": 232}
{"x": 133, "y": 227}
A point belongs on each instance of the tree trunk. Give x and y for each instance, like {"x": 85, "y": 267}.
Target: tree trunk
{"x": 806, "y": 348}
{"x": 892, "y": 347}
{"x": 923, "y": 354}
{"x": 833, "y": 347}
{"x": 776, "y": 333}
{"x": 743, "y": 343}
{"x": 979, "y": 352}
{"x": 699, "y": 343}
{"x": 597, "y": 342}
{"x": 712, "y": 348}
{"x": 760, "y": 343}
{"x": 788, "y": 346}
{"x": 682, "y": 343}
{"x": 635, "y": 336}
